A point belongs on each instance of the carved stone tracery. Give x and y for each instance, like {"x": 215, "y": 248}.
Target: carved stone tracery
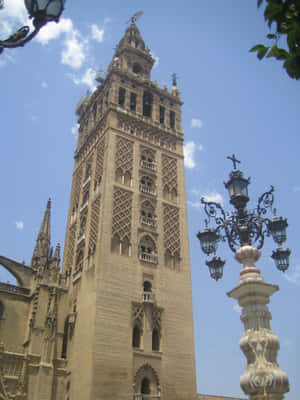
{"x": 171, "y": 229}
{"x": 122, "y": 214}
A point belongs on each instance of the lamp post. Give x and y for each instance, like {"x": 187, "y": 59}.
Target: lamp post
{"x": 245, "y": 230}
{"x": 41, "y": 11}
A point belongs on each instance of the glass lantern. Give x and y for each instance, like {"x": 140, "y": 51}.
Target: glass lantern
{"x": 237, "y": 187}
{"x": 216, "y": 265}
{"x": 281, "y": 257}
{"x": 44, "y": 10}
{"x": 208, "y": 239}
{"x": 278, "y": 229}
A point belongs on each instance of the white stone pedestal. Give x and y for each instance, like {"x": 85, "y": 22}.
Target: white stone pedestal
{"x": 263, "y": 378}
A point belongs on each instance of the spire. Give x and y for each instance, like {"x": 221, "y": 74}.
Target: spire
{"x": 42, "y": 246}
{"x": 131, "y": 53}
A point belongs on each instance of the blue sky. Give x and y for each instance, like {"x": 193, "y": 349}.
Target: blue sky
{"x": 232, "y": 104}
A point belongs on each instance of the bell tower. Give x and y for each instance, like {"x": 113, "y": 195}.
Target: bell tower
{"x": 129, "y": 325}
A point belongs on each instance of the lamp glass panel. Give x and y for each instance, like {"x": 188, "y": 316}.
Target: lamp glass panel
{"x": 54, "y": 9}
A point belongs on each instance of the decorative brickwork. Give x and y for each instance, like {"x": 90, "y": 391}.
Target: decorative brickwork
{"x": 171, "y": 229}
{"x": 94, "y": 226}
{"x": 122, "y": 214}
{"x": 169, "y": 177}
{"x": 124, "y": 156}
{"x": 70, "y": 245}
{"x": 99, "y": 158}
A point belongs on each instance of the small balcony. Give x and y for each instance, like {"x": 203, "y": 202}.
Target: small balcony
{"x": 151, "y": 222}
{"x": 148, "y": 297}
{"x": 148, "y": 257}
{"x": 148, "y": 189}
{"x": 148, "y": 165}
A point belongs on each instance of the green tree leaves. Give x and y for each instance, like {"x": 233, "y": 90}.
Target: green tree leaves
{"x": 285, "y": 15}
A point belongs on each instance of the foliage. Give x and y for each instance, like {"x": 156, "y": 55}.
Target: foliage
{"x": 285, "y": 16}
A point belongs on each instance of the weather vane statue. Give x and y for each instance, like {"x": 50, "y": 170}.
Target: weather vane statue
{"x": 135, "y": 17}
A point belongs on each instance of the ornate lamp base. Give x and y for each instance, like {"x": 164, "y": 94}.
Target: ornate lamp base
{"x": 263, "y": 379}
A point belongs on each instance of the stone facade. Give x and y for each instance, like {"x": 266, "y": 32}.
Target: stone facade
{"x": 116, "y": 321}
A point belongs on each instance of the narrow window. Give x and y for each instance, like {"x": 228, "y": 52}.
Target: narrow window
{"x": 137, "y": 69}
{"x": 172, "y": 119}
{"x": 136, "y": 337}
{"x": 147, "y": 286}
{"x": 147, "y": 104}
{"x": 122, "y": 93}
{"x": 155, "y": 340}
{"x": 161, "y": 114}
{"x": 145, "y": 386}
{"x": 65, "y": 339}
{"x": 132, "y": 101}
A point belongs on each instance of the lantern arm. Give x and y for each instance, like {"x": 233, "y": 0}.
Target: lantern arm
{"x": 265, "y": 202}
{"x": 224, "y": 223}
{"x": 22, "y": 36}
{"x": 214, "y": 211}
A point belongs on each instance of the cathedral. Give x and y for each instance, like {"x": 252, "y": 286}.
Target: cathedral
{"x": 114, "y": 321}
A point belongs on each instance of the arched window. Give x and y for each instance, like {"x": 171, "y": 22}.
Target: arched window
{"x": 166, "y": 192}
{"x": 88, "y": 171}
{"x": 136, "y": 337}
{"x": 85, "y": 198}
{"x": 168, "y": 258}
{"x": 126, "y": 247}
{"x": 137, "y": 69}
{"x": 147, "y": 286}
{"x": 115, "y": 244}
{"x": 127, "y": 179}
{"x": 145, "y": 386}
{"x": 155, "y": 339}
{"x": 119, "y": 175}
{"x": 147, "y": 104}
{"x": 147, "y": 250}
{"x": 147, "y": 159}
{"x": 147, "y": 185}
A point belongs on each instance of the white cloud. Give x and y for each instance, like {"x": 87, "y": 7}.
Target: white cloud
{"x": 19, "y": 225}
{"x": 88, "y": 79}
{"x": 294, "y": 277}
{"x": 74, "y": 46}
{"x": 53, "y": 30}
{"x": 195, "y": 204}
{"x": 44, "y": 85}
{"x": 296, "y": 188}
{"x": 74, "y": 130}
{"x": 156, "y": 59}
{"x": 74, "y": 52}
{"x": 237, "y": 308}
{"x": 213, "y": 196}
{"x": 196, "y": 123}
{"x": 13, "y": 15}
{"x": 97, "y": 33}
{"x": 5, "y": 58}
{"x": 189, "y": 150}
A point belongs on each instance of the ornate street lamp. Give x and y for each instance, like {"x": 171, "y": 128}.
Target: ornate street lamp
{"x": 245, "y": 230}
{"x": 41, "y": 11}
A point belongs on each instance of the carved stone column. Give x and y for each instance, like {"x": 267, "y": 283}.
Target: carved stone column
{"x": 263, "y": 379}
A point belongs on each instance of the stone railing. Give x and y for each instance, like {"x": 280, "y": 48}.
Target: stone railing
{"x": 145, "y": 397}
{"x": 13, "y": 289}
{"x": 148, "y": 258}
{"x": 148, "y": 189}
{"x": 148, "y": 297}
{"x": 147, "y": 164}
{"x": 148, "y": 221}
